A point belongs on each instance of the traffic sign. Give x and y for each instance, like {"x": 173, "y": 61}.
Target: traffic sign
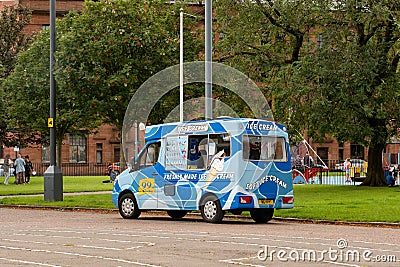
{"x": 50, "y": 123}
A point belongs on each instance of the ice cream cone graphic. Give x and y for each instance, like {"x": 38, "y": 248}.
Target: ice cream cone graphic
{"x": 217, "y": 164}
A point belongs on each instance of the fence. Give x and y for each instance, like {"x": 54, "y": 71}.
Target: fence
{"x": 331, "y": 177}
{"x": 334, "y": 177}
{"x": 75, "y": 169}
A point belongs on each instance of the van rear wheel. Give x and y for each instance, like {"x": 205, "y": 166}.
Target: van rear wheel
{"x": 177, "y": 214}
{"x": 211, "y": 210}
{"x": 261, "y": 215}
{"x": 128, "y": 207}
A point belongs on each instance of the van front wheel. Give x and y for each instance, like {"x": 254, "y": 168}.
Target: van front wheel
{"x": 128, "y": 207}
{"x": 262, "y": 215}
{"x": 211, "y": 210}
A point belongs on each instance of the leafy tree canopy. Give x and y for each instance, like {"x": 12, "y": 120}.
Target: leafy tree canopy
{"x": 331, "y": 68}
{"x": 12, "y": 40}
{"x": 112, "y": 47}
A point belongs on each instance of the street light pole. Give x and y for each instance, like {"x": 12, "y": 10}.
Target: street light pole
{"x": 52, "y": 82}
{"x": 208, "y": 57}
{"x": 181, "y": 66}
{"x": 53, "y": 185}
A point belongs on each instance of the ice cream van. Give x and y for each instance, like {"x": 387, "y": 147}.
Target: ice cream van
{"x": 215, "y": 166}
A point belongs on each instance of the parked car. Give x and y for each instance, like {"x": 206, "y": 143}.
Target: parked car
{"x": 2, "y": 170}
{"x": 354, "y": 163}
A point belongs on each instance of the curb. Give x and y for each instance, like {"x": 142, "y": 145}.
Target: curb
{"x": 197, "y": 214}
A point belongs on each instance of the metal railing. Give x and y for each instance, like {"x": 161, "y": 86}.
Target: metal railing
{"x": 74, "y": 169}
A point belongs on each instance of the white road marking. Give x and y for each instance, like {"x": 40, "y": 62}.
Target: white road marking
{"x": 28, "y": 262}
{"x": 80, "y": 255}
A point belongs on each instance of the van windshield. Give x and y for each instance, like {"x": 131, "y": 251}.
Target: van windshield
{"x": 264, "y": 148}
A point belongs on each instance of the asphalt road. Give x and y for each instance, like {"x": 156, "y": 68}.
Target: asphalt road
{"x": 65, "y": 238}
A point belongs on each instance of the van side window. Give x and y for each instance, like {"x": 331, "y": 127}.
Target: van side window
{"x": 264, "y": 148}
{"x": 149, "y": 157}
{"x": 202, "y": 148}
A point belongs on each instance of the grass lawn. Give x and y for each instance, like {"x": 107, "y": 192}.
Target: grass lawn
{"x": 317, "y": 202}
{"x": 345, "y": 203}
{"x": 70, "y": 184}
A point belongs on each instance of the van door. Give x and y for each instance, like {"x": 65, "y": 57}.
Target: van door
{"x": 148, "y": 179}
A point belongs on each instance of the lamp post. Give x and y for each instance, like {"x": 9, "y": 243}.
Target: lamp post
{"x": 181, "y": 65}
{"x": 181, "y": 13}
{"x": 53, "y": 185}
{"x": 208, "y": 57}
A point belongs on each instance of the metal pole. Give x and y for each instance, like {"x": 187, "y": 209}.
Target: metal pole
{"x": 136, "y": 139}
{"x": 181, "y": 67}
{"x": 52, "y": 82}
{"x": 53, "y": 184}
{"x": 208, "y": 57}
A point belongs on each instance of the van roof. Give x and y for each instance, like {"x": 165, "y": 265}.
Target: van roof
{"x": 219, "y": 125}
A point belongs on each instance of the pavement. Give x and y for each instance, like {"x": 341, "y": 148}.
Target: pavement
{"x": 195, "y": 213}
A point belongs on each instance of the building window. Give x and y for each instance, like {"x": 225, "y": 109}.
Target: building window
{"x": 45, "y": 153}
{"x": 99, "y": 153}
{"x": 46, "y": 27}
{"x": 323, "y": 153}
{"x": 77, "y": 148}
{"x": 356, "y": 151}
{"x": 117, "y": 152}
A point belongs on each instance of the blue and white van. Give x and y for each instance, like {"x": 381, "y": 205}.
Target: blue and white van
{"x": 226, "y": 164}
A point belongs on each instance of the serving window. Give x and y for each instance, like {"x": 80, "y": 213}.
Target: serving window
{"x": 195, "y": 151}
{"x": 264, "y": 148}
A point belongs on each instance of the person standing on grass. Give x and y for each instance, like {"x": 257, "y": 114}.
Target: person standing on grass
{"x": 28, "y": 169}
{"x": 347, "y": 168}
{"x": 19, "y": 170}
{"x": 7, "y": 165}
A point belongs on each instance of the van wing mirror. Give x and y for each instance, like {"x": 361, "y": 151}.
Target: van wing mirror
{"x": 135, "y": 166}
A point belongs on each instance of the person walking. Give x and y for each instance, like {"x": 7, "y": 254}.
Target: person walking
{"x": 28, "y": 169}
{"x": 19, "y": 170}
{"x": 7, "y": 166}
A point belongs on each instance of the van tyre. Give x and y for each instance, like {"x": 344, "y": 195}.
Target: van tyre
{"x": 177, "y": 214}
{"x": 211, "y": 210}
{"x": 128, "y": 207}
{"x": 261, "y": 215}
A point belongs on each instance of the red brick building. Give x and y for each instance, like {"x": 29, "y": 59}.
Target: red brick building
{"x": 40, "y": 17}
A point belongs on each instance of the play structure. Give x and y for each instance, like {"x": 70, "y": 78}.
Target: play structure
{"x": 308, "y": 175}
{"x": 304, "y": 170}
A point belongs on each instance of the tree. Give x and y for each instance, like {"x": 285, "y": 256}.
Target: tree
{"x": 112, "y": 47}
{"x": 13, "y": 19}
{"x": 28, "y": 95}
{"x": 349, "y": 86}
{"x": 12, "y": 39}
{"x": 344, "y": 86}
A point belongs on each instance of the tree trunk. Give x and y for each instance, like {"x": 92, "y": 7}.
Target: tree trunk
{"x": 122, "y": 160}
{"x": 375, "y": 175}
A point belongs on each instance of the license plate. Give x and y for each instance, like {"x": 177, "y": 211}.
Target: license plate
{"x": 266, "y": 201}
